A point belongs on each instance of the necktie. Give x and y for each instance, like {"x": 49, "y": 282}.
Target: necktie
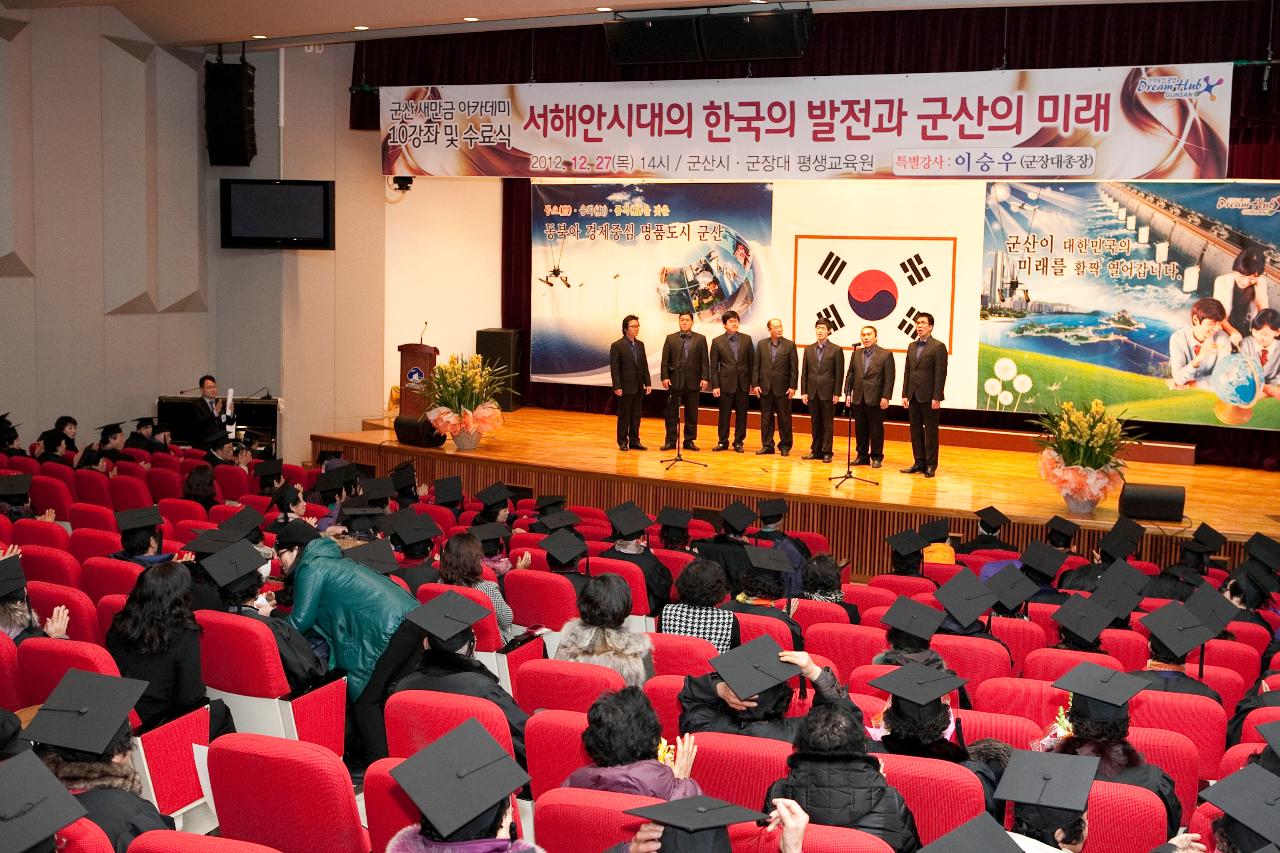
{"x": 1264, "y": 358}
{"x": 866, "y": 359}
{"x": 733, "y": 345}
{"x": 773, "y": 352}
{"x": 821, "y": 352}
{"x": 1195, "y": 350}
{"x": 684, "y": 352}
{"x": 210, "y": 404}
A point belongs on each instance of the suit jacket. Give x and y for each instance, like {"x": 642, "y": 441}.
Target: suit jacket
{"x": 822, "y": 380}
{"x": 926, "y": 373}
{"x": 685, "y": 374}
{"x": 782, "y": 374}
{"x": 727, "y": 373}
{"x": 630, "y": 375}
{"x": 205, "y": 423}
{"x": 876, "y": 383}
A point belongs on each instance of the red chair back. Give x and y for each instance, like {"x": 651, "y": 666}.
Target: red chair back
{"x": 537, "y": 559}
{"x": 82, "y": 623}
{"x": 1020, "y": 635}
{"x": 164, "y": 483}
{"x": 902, "y": 584}
{"x": 1042, "y": 615}
{"x": 185, "y": 531}
{"x": 1036, "y": 700}
{"x": 488, "y": 637}
{"x": 579, "y": 819}
{"x": 418, "y": 718}
{"x": 1200, "y": 718}
{"x": 1201, "y": 823}
{"x": 973, "y": 658}
{"x": 1052, "y": 664}
{"x": 1240, "y": 657}
{"x": 809, "y": 613}
{"x": 129, "y": 468}
{"x": 165, "y": 461}
{"x": 1176, "y": 755}
{"x": 106, "y": 609}
{"x": 1018, "y": 732}
{"x": 751, "y": 626}
{"x": 43, "y": 661}
{"x": 1235, "y": 758}
{"x": 181, "y": 509}
{"x": 940, "y": 573}
{"x": 630, "y": 573}
{"x": 1124, "y": 819}
{"x": 129, "y": 493}
{"x": 940, "y": 795}
{"x": 562, "y": 685}
{"x": 167, "y": 841}
{"x": 737, "y": 768}
{"x": 50, "y": 565}
{"x": 61, "y": 472}
{"x": 49, "y": 493}
{"x": 867, "y": 597}
{"x": 1255, "y": 718}
{"x": 233, "y": 481}
{"x": 24, "y": 464}
{"x": 190, "y": 463}
{"x": 31, "y": 531}
{"x": 103, "y": 576}
{"x": 540, "y": 598}
{"x": 553, "y": 741}
{"x": 1128, "y": 647}
{"x": 997, "y": 554}
{"x": 93, "y": 517}
{"x": 848, "y": 646}
{"x": 387, "y": 807}
{"x": 1227, "y": 683}
{"x": 11, "y": 687}
{"x": 663, "y": 692}
{"x": 675, "y": 654}
{"x": 85, "y": 543}
{"x": 674, "y": 561}
{"x": 83, "y": 836}
{"x": 239, "y": 655}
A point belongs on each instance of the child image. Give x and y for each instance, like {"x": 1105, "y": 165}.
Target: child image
{"x": 1242, "y": 292}
{"x": 1262, "y": 348}
{"x": 1193, "y": 351}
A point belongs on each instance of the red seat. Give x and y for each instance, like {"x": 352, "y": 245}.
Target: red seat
{"x": 43, "y": 661}
{"x": 1042, "y": 614}
{"x": 1176, "y": 755}
{"x": 24, "y": 464}
{"x": 107, "y": 607}
{"x": 566, "y": 819}
{"x": 30, "y": 531}
{"x": 86, "y": 543}
{"x": 589, "y": 514}
{"x": 164, "y": 483}
{"x": 180, "y": 509}
{"x": 61, "y": 472}
{"x": 675, "y": 654}
{"x": 6, "y": 529}
{"x": 102, "y": 576}
{"x": 1255, "y": 636}
{"x": 537, "y": 560}
{"x": 1124, "y": 819}
{"x": 271, "y": 791}
{"x": 1200, "y": 718}
{"x": 165, "y": 461}
{"x": 233, "y": 481}
{"x": 809, "y": 613}
{"x": 1128, "y": 647}
{"x": 488, "y": 637}
{"x": 1020, "y": 635}
{"x": 50, "y": 565}
{"x": 518, "y": 540}
{"x": 663, "y": 692}
{"x": 867, "y": 596}
{"x": 93, "y": 517}
{"x": 130, "y": 493}
{"x": 540, "y": 598}
{"x": 129, "y": 468}
{"x": 190, "y": 463}
{"x": 1201, "y": 823}
{"x": 1052, "y": 664}
{"x": 848, "y": 646}
{"x": 751, "y": 626}
{"x": 872, "y": 615}
{"x": 902, "y": 584}
{"x": 1236, "y": 758}
{"x": 262, "y": 503}
{"x": 940, "y": 573}
{"x": 167, "y": 841}
{"x": 1018, "y": 732}
{"x": 595, "y": 549}
{"x": 632, "y": 574}
{"x": 973, "y": 562}
{"x": 297, "y": 475}
{"x": 973, "y": 658}
{"x": 185, "y": 531}
{"x": 137, "y": 454}
{"x": 48, "y": 493}
{"x": 83, "y": 836}
{"x": 93, "y": 487}
{"x": 82, "y": 623}
{"x": 738, "y": 768}
{"x": 418, "y": 718}
{"x": 11, "y": 686}
{"x": 1233, "y": 655}
{"x": 1036, "y": 700}
{"x": 940, "y": 795}
{"x": 387, "y": 807}
{"x": 674, "y": 561}
{"x": 553, "y": 740}
{"x": 442, "y": 516}
{"x": 562, "y": 685}
{"x": 997, "y": 554}
{"x": 1255, "y": 718}
{"x": 1227, "y": 683}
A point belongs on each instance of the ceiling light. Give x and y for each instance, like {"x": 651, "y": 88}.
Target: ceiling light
{"x": 259, "y": 37}
{"x": 760, "y": 2}
{"x": 604, "y": 8}
{"x": 361, "y": 29}
{"x": 470, "y": 20}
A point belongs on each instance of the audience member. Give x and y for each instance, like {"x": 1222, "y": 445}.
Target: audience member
{"x": 629, "y": 525}
{"x": 990, "y": 520}
{"x": 18, "y": 620}
{"x": 771, "y": 514}
{"x": 673, "y": 528}
{"x": 460, "y": 565}
{"x": 414, "y": 535}
{"x": 728, "y": 547}
{"x": 761, "y": 585}
{"x": 597, "y": 636}
{"x": 140, "y": 537}
{"x": 906, "y": 553}
{"x": 1174, "y": 633}
{"x": 201, "y": 488}
{"x": 700, "y": 589}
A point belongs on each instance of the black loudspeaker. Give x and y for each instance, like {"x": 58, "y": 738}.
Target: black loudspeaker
{"x": 764, "y": 35}
{"x": 504, "y": 347}
{"x": 653, "y": 40}
{"x": 228, "y": 113}
{"x": 1152, "y": 502}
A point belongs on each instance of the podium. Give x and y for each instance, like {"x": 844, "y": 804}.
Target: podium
{"x": 417, "y": 362}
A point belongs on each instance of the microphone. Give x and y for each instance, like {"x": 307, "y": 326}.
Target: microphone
{"x": 189, "y": 390}
{"x": 266, "y": 393}
{"x": 424, "y": 331}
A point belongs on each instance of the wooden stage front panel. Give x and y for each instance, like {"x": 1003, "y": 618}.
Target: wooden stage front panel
{"x": 558, "y": 452}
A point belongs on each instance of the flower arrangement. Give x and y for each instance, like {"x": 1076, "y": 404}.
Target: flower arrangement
{"x": 1081, "y": 455}
{"x": 461, "y": 396}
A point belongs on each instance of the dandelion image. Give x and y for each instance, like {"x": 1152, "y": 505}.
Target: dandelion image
{"x": 1005, "y": 369}
{"x": 1005, "y": 398}
{"x": 1022, "y": 384}
{"x": 993, "y": 387}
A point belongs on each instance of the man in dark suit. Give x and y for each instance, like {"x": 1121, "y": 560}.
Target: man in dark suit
{"x": 684, "y": 373}
{"x": 867, "y": 388}
{"x": 922, "y": 383}
{"x": 208, "y": 415}
{"x": 820, "y": 389}
{"x": 629, "y": 370}
{"x": 775, "y": 377}
{"x": 730, "y": 374}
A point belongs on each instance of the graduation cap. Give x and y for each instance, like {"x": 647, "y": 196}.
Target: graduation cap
{"x": 448, "y": 490}
{"x": 1264, "y": 549}
{"x": 216, "y": 440}
{"x": 268, "y": 468}
{"x": 34, "y": 804}
{"x": 914, "y": 618}
{"x": 1207, "y": 535}
{"x": 1041, "y": 562}
{"x": 359, "y": 517}
{"x": 210, "y": 542}
{"x": 330, "y": 481}
{"x": 110, "y": 429}
{"x": 1063, "y": 527}
{"x": 906, "y": 542}
{"x": 459, "y": 778}
{"x": 377, "y": 555}
{"x": 696, "y": 814}
{"x": 918, "y": 689}
{"x": 1178, "y": 628}
{"x": 85, "y": 712}
{"x": 980, "y": 833}
{"x": 737, "y": 516}
{"x": 295, "y": 533}
{"x": 1116, "y": 545}
{"x": 353, "y": 473}
{"x": 411, "y": 528}
{"x": 1249, "y": 796}
{"x": 494, "y": 532}
{"x": 1083, "y": 617}
{"x": 628, "y": 519}
{"x": 1270, "y": 759}
{"x": 243, "y": 521}
{"x": 1128, "y": 528}
{"x": 772, "y": 508}
{"x": 446, "y": 616}
{"x": 562, "y": 546}
{"x": 1211, "y": 607}
{"x": 12, "y": 578}
{"x": 1011, "y": 586}
{"x": 138, "y": 519}
{"x": 671, "y": 516}
{"x": 1054, "y": 786}
{"x": 1099, "y": 693}
{"x": 143, "y": 423}
{"x": 403, "y": 477}
{"x": 1256, "y": 583}
{"x": 751, "y": 669}
{"x": 554, "y": 521}
{"x": 1195, "y": 546}
{"x": 1120, "y": 588}
{"x": 992, "y": 518}
{"x": 547, "y": 502}
{"x": 496, "y": 495}
{"x": 768, "y": 559}
{"x": 232, "y": 563}
{"x": 14, "y": 488}
{"x": 965, "y": 597}
{"x": 936, "y": 531}
{"x": 379, "y": 488}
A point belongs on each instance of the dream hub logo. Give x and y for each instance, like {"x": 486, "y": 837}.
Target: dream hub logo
{"x": 1179, "y": 88}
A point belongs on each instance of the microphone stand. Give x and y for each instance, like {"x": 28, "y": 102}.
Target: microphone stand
{"x": 679, "y": 457}
{"x": 848, "y": 448}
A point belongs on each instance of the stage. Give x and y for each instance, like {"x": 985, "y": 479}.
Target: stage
{"x": 559, "y": 452}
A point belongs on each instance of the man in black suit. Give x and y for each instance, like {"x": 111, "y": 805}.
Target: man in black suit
{"x": 208, "y": 415}
{"x": 922, "y": 383}
{"x": 820, "y": 389}
{"x": 730, "y": 374}
{"x": 684, "y": 373}
{"x": 775, "y": 378}
{"x": 867, "y": 388}
{"x": 629, "y": 370}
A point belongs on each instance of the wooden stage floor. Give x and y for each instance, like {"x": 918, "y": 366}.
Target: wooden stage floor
{"x": 575, "y": 454}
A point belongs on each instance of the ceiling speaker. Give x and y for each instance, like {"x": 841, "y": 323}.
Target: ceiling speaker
{"x": 653, "y": 40}
{"x": 763, "y": 35}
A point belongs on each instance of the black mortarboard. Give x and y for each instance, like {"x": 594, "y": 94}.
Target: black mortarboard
{"x": 965, "y": 597}
{"x": 1196, "y": 546}
{"x": 378, "y": 488}
{"x": 1012, "y": 586}
{"x": 916, "y": 688}
{"x": 295, "y": 533}
{"x": 359, "y": 517}
{"x": 1270, "y": 732}
{"x": 377, "y": 555}
{"x": 563, "y": 546}
{"x": 14, "y": 488}
{"x": 1206, "y": 534}
{"x": 628, "y": 519}
{"x": 138, "y": 519}
{"x": 772, "y": 508}
{"x": 143, "y": 423}
{"x": 751, "y": 669}
{"x": 980, "y": 833}
{"x": 1120, "y": 588}
{"x": 553, "y": 521}
{"x": 1067, "y": 528}
{"x": 914, "y": 618}
{"x": 459, "y": 777}
{"x": 1211, "y": 607}
{"x": 209, "y": 542}
{"x": 496, "y": 495}
{"x": 1048, "y": 779}
{"x": 546, "y": 502}
{"x": 1249, "y": 796}
{"x": 671, "y": 516}
{"x": 411, "y": 528}
{"x": 493, "y": 532}
{"x": 992, "y": 518}
{"x": 330, "y": 481}
{"x": 232, "y": 563}
{"x": 936, "y": 531}
{"x": 34, "y": 804}
{"x": 1099, "y": 693}
{"x": 269, "y": 468}
{"x": 1116, "y": 545}
{"x": 85, "y": 712}
{"x": 1178, "y": 628}
{"x": 737, "y": 516}
{"x": 243, "y": 521}
{"x": 1042, "y": 562}
{"x": 288, "y": 495}
{"x": 695, "y": 814}
{"x": 353, "y": 473}
{"x": 768, "y": 559}
{"x": 1264, "y": 549}
{"x": 1083, "y": 617}
{"x": 403, "y": 476}
{"x": 906, "y": 542}
{"x": 448, "y": 490}
{"x": 1129, "y": 529}
{"x": 447, "y": 615}
{"x": 1255, "y": 582}
{"x": 216, "y": 439}
{"x": 12, "y": 578}
{"x": 110, "y": 429}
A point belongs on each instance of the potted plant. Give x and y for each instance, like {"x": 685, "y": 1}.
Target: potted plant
{"x": 1081, "y": 455}
{"x": 461, "y": 398}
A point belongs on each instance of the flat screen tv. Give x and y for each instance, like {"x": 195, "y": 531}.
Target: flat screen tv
{"x": 277, "y": 214}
